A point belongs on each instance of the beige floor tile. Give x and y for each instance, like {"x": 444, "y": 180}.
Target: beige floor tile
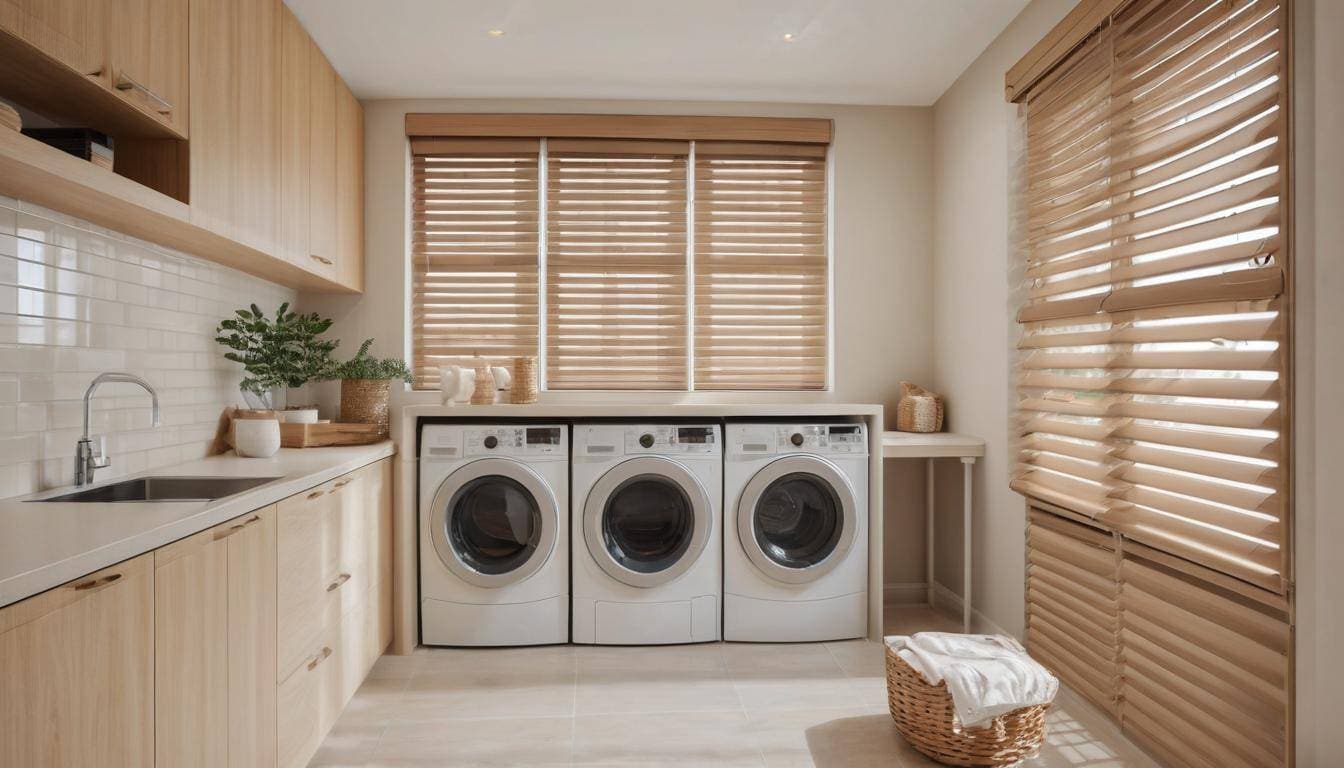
{"x": 902, "y": 619}
{"x": 771, "y": 695}
{"x": 499, "y": 742}
{"x": 783, "y": 661}
{"x": 348, "y": 745}
{"x": 782, "y": 736}
{"x": 486, "y": 695}
{"x": 680, "y": 739}
{"x": 860, "y": 658}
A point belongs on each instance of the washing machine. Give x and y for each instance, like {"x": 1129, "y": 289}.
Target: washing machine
{"x": 647, "y": 541}
{"x": 494, "y": 534}
{"x": 795, "y": 551}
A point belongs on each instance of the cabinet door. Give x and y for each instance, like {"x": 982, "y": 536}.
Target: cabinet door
{"x": 251, "y": 640}
{"x": 77, "y": 665}
{"x": 322, "y": 163}
{"x": 147, "y": 50}
{"x": 191, "y": 657}
{"x": 70, "y": 31}
{"x": 257, "y": 176}
{"x": 295, "y": 125}
{"x": 349, "y": 189}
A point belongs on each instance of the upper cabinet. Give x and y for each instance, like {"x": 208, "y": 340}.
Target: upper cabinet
{"x": 248, "y": 145}
{"x": 147, "y": 57}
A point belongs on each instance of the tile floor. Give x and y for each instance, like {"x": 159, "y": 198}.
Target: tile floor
{"x": 724, "y": 704}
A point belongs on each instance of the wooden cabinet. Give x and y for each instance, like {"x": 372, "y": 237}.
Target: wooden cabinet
{"x": 147, "y": 57}
{"x": 349, "y": 189}
{"x": 214, "y": 628}
{"x": 295, "y": 112}
{"x": 71, "y": 31}
{"x": 77, "y": 665}
{"x": 322, "y": 162}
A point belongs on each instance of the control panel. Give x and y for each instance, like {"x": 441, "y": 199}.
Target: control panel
{"x": 671, "y": 438}
{"x": 830, "y": 439}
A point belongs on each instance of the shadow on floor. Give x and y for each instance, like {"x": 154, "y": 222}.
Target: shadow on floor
{"x": 851, "y": 742}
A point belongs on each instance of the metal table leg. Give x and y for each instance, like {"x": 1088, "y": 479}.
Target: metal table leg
{"x": 966, "y": 463}
{"x": 928, "y": 530}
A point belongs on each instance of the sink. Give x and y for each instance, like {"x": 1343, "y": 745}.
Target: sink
{"x": 164, "y": 489}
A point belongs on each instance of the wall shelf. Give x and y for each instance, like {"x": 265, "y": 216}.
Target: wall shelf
{"x": 37, "y": 173}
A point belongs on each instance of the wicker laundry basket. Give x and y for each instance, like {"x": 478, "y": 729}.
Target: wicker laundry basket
{"x": 923, "y": 715}
{"x": 918, "y": 410}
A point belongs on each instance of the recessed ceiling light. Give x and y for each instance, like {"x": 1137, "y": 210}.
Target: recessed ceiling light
{"x": 788, "y": 37}
{"x": 496, "y": 33}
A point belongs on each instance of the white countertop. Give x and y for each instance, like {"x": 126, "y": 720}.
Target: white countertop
{"x": 930, "y": 445}
{"x": 46, "y": 545}
{"x": 635, "y": 410}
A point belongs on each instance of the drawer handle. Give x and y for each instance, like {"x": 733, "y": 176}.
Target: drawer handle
{"x": 335, "y": 585}
{"x": 319, "y": 658}
{"x": 236, "y": 528}
{"x": 99, "y": 583}
{"x": 322, "y": 259}
{"x": 342, "y": 483}
{"x": 127, "y": 83}
{"x": 315, "y": 494}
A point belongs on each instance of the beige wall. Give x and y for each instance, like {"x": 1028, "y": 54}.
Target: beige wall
{"x": 974, "y": 130}
{"x": 1319, "y": 361}
{"x": 882, "y": 158}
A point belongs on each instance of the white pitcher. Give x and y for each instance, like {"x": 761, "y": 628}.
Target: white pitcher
{"x": 457, "y": 383}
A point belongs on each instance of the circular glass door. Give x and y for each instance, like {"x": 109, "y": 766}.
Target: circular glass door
{"x": 646, "y": 521}
{"x": 797, "y": 519}
{"x": 493, "y": 522}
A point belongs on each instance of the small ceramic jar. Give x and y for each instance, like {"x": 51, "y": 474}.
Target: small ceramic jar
{"x": 256, "y": 438}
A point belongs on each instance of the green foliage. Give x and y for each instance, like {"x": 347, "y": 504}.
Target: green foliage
{"x": 283, "y": 351}
{"x": 365, "y": 366}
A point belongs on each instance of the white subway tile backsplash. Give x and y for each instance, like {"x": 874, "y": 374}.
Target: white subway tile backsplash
{"x": 78, "y": 299}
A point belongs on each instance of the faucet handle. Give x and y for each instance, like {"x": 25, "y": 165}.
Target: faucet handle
{"x": 98, "y": 458}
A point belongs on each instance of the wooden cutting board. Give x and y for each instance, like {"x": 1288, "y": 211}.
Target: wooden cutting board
{"x": 314, "y": 435}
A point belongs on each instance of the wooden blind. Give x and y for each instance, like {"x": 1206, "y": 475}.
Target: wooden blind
{"x": 1153, "y": 374}
{"x": 760, "y": 266}
{"x": 474, "y": 252}
{"x": 616, "y": 264}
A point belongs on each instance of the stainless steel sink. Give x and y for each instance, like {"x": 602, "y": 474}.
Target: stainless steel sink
{"x": 164, "y": 489}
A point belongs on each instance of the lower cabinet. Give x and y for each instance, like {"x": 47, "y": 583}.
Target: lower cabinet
{"x": 179, "y": 657}
{"x": 77, "y": 672}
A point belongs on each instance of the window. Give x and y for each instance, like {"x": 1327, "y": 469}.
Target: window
{"x": 627, "y": 253}
{"x": 1154, "y": 367}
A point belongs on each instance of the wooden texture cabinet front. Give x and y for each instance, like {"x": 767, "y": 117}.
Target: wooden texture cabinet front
{"x": 147, "y": 54}
{"x": 70, "y": 31}
{"x": 349, "y": 189}
{"x": 77, "y": 665}
{"x": 322, "y": 163}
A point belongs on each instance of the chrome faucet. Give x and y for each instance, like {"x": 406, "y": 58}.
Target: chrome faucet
{"x": 89, "y": 458}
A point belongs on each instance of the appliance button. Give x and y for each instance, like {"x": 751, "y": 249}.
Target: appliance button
{"x": 797, "y": 439}
{"x": 491, "y": 441}
{"x": 646, "y": 440}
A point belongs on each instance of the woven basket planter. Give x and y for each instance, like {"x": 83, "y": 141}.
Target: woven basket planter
{"x": 364, "y": 401}
{"x": 918, "y": 410}
{"x": 924, "y": 716}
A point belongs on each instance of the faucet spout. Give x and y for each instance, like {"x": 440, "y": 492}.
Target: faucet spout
{"x": 87, "y": 457}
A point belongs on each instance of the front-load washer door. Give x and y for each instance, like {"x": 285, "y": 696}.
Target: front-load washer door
{"x": 646, "y": 521}
{"x": 797, "y": 518}
{"x": 493, "y": 522}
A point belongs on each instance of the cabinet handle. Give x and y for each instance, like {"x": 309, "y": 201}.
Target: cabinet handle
{"x": 340, "y": 484}
{"x": 236, "y": 528}
{"x": 99, "y": 583}
{"x": 315, "y": 494}
{"x": 127, "y": 83}
{"x": 94, "y": 73}
{"x": 322, "y": 259}
{"x": 319, "y": 658}
{"x": 335, "y": 585}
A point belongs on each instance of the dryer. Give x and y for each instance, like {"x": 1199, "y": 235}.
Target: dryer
{"x": 795, "y": 532}
{"x": 494, "y": 534}
{"x": 646, "y": 533}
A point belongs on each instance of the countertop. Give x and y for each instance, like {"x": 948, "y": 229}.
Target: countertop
{"x": 46, "y": 545}
{"x": 639, "y": 410}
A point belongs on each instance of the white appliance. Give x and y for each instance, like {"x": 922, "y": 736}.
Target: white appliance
{"x": 494, "y": 536}
{"x": 647, "y": 541}
{"x": 795, "y": 551}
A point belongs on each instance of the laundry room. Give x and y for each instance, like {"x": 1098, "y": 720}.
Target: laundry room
{"x": 829, "y": 383}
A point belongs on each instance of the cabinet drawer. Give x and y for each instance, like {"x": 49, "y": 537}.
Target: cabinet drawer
{"x": 323, "y": 569}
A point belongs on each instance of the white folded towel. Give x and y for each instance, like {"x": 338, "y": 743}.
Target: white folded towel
{"x": 987, "y": 675}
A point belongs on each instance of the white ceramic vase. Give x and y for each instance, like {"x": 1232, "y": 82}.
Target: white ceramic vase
{"x": 256, "y": 438}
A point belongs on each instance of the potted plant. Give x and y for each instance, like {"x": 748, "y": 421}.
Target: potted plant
{"x": 364, "y": 385}
{"x": 277, "y": 352}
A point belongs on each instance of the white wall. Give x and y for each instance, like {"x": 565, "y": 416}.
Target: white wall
{"x": 1319, "y": 360}
{"x": 972, "y": 312}
{"x": 76, "y": 300}
{"x": 882, "y": 158}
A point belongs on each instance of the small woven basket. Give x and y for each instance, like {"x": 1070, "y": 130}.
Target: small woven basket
{"x": 918, "y": 410}
{"x": 924, "y": 716}
{"x": 364, "y": 401}
{"x": 524, "y": 380}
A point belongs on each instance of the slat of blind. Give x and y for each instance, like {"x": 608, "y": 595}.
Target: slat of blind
{"x": 616, "y": 265}
{"x": 474, "y": 253}
{"x": 761, "y": 264}
{"x": 1151, "y": 373}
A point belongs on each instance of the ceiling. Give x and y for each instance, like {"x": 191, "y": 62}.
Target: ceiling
{"x": 843, "y": 51}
